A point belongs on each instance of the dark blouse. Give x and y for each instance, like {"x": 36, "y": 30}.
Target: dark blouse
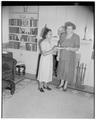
{"x": 73, "y": 42}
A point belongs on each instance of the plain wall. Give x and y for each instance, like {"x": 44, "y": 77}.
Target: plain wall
{"x": 5, "y": 23}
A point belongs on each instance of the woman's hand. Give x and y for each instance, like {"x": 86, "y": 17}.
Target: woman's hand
{"x": 54, "y": 48}
{"x": 52, "y": 51}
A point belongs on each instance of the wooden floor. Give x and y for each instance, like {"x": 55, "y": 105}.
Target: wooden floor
{"x": 83, "y": 88}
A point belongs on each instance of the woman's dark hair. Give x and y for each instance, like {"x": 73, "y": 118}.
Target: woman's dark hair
{"x": 46, "y": 30}
{"x": 70, "y": 24}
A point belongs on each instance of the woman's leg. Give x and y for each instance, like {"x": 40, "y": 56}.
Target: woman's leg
{"x": 46, "y": 86}
{"x": 61, "y": 84}
{"x": 41, "y": 86}
{"x": 60, "y": 73}
{"x": 65, "y": 85}
{"x": 66, "y": 74}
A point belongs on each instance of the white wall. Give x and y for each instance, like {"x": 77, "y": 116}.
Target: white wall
{"x": 47, "y": 16}
{"x": 55, "y": 16}
{"x": 4, "y": 23}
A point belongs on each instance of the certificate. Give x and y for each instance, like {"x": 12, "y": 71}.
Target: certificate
{"x": 61, "y": 48}
{"x": 67, "y": 48}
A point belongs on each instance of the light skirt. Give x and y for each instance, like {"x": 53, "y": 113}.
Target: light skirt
{"x": 45, "y": 68}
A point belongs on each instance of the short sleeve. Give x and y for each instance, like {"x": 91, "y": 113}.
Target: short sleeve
{"x": 77, "y": 42}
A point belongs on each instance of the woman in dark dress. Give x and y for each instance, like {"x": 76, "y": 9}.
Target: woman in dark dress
{"x": 71, "y": 42}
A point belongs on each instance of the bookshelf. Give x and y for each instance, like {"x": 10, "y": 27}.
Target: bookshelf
{"x": 23, "y": 30}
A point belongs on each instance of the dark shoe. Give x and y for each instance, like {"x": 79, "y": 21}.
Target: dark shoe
{"x": 48, "y": 88}
{"x": 41, "y": 89}
{"x": 64, "y": 89}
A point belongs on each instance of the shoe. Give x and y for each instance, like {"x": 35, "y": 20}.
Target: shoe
{"x": 64, "y": 89}
{"x": 58, "y": 87}
{"x": 48, "y": 88}
{"x": 65, "y": 86}
{"x": 61, "y": 85}
{"x": 41, "y": 89}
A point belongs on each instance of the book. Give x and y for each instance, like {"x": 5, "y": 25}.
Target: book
{"x": 17, "y": 45}
{"x": 24, "y": 38}
{"x": 34, "y": 31}
{"x": 33, "y": 22}
{"x": 13, "y": 29}
{"x": 28, "y": 46}
{"x": 13, "y": 37}
{"x": 11, "y": 44}
{"x": 34, "y": 47}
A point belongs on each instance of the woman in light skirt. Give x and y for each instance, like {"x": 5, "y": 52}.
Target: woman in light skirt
{"x": 46, "y": 60}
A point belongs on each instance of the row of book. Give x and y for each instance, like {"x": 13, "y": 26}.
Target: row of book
{"x": 24, "y": 38}
{"x": 19, "y": 30}
{"x": 14, "y": 45}
{"x": 29, "y": 31}
{"x": 14, "y": 30}
{"x": 26, "y": 46}
{"x": 27, "y": 38}
{"x": 14, "y": 37}
{"x": 31, "y": 47}
{"x": 26, "y": 22}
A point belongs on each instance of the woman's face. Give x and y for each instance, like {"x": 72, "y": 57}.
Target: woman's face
{"x": 49, "y": 35}
{"x": 69, "y": 29}
{"x": 60, "y": 30}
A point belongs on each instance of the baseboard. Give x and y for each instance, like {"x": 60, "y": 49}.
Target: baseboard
{"x": 19, "y": 78}
{"x": 83, "y": 88}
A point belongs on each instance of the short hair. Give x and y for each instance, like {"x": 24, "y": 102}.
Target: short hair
{"x": 70, "y": 24}
{"x": 45, "y": 32}
{"x": 61, "y": 27}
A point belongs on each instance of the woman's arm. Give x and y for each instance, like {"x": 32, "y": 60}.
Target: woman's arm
{"x": 51, "y": 51}
{"x": 72, "y": 49}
